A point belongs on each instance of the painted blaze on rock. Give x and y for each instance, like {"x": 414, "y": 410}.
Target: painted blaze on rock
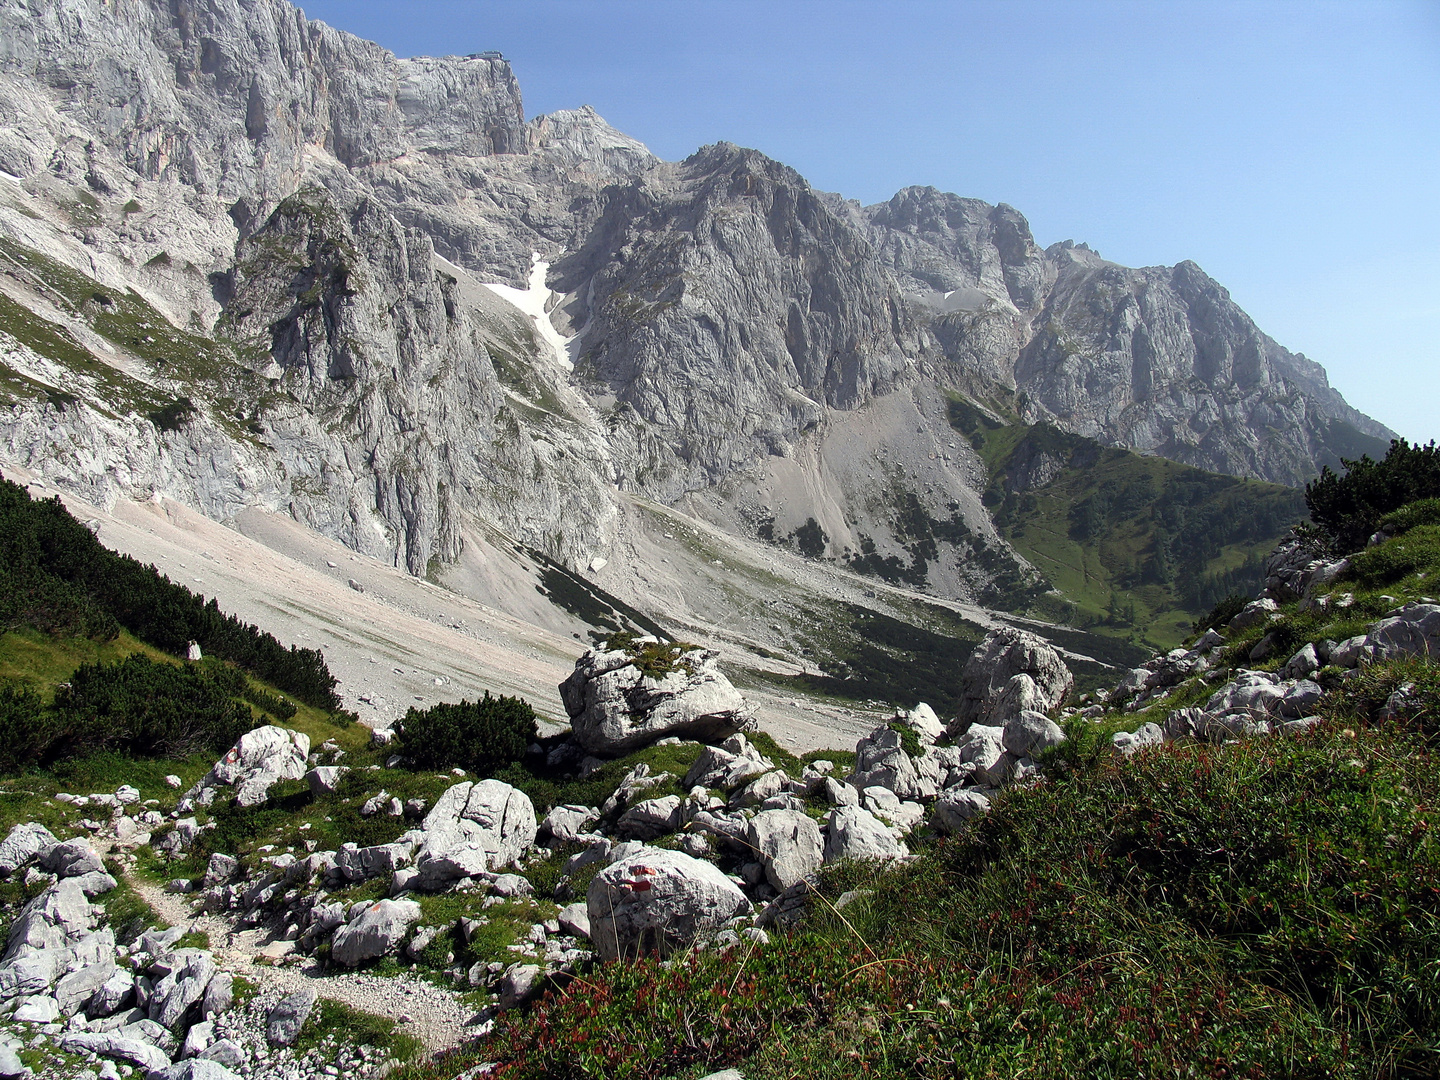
{"x": 621, "y": 699}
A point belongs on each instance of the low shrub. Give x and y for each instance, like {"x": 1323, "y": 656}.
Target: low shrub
{"x": 148, "y": 709}
{"x": 480, "y": 736}
{"x": 1270, "y": 908}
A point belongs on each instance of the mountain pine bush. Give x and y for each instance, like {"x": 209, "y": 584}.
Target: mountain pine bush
{"x": 1348, "y": 508}
{"x": 479, "y": 736}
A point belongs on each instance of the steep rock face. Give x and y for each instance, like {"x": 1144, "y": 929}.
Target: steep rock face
{"x": 227, "y": 96}
{"x": 321, "y": 220}
{"x": 1162, "y": 360}
{"x": 727, "y": 307}
{"x": 1158, "y": 359}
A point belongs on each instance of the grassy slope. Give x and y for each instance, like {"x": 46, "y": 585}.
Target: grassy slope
{"x": 1117, "y": 559}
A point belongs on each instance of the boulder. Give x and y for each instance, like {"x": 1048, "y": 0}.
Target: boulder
{"x": 1413, "y": 630}
{"x": 259, "y": 759}
{"x": 377, "y": 860}
{"x": 324, "y": 779}
{"x": 1127, "y": 743}
{"x": 658, "y": 901}
{"x": 72, "y": 858}
{"x": 197, "y": 1039}
{"x": 855, "y": 833}
{"x": 183, "y": 987}
{"x": 373, "y": 930}
{"x": 112, "y": 995}
{"x": 519, "y": 984}
{"x": 718, "y": 767}
{"x": 956, "y": 808}
{"x": 564, "y": 823}
{"x": 119, "y": 1047}
{"x": 616, "y": 707}
{"x": 881, "y": 761}
{"x": 1254, "y": 614}
{"x": 284, "y": 1021}
{"x": 990, "y": 691}
{"x": 1029, "y": 733}
{"x": 982, "y": 747}
{"x": 788, "y": 844}
{"x": 575, "y": 919}
{"x": 225, "y": 1052}
{"x": 840, "y": 794}
{"x": 473, "y": 829}
{"x": 22, "y": 844}
{"x": 203, "y": 1067}
{"x": 650, "y": 819}
{"x": 1255, "y": 691}
{"x": 74, "y": 991}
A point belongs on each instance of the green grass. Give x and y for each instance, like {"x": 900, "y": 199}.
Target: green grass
{"x": 334, "y": 1020}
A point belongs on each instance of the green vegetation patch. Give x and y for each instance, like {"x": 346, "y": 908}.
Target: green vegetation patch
{"x": 1270, "y": 908}
{"x": 482, "y": 736}
{"x": 1139, "y": 546}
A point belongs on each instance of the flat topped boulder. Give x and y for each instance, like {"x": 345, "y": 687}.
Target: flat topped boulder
{"x": 628, "y": 696}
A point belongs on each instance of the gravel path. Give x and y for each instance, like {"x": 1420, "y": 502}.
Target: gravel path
{"x": 435, "y": 1016}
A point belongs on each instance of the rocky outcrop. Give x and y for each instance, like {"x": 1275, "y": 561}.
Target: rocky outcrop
{"x": 1011, "y": 671}
{"x": 621, "y": 699}
{"x": 257, "y": 762}
{"x": 474, "y": 829}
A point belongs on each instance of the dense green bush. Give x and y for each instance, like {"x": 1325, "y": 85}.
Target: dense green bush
{"x": 55, "y": 575}
{"x": 25, "y": 727}
{"x": 1348, "y": 508}
{"x": 147, "y": 709}
{"x": 481, "y": 736}
{"x": 1412, "y": 516}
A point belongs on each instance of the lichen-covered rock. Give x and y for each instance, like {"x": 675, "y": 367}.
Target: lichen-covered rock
{"x": 1009, "y": 672}
{"x": 657, "y": 901}
{"x": 625, "y": 698}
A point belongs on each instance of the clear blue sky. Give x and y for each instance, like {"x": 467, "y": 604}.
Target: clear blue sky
{"x": 1291, "y": 149}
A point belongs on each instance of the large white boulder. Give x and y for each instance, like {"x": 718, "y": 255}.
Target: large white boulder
{"x": 616, "y": 707}
{"x": 1009, "y": 671}
{"x": 657, "y": 901}
{"x": 373, "y": 930}
{"x": 259, "y": 759}
{"x": 473, "y": 829}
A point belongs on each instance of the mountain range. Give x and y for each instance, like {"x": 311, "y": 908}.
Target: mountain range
{"x": 250, "y": 262}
